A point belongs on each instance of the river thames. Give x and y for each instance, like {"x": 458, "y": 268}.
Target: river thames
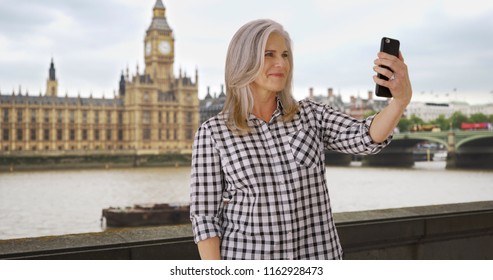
{"x": 43, "y": 203}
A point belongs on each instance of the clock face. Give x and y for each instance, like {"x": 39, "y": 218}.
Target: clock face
{"x": 148, "y": 48}
{"x": 165, "y": 47}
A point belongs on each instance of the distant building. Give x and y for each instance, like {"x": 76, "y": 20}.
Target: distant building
{"x": 153, "y": 112}
{"x": 486, "y": 109}
{"x": 428, "y": 111}
{"x": 330, "y": 99}
{"x": 211, "y": 105}
{"x": 357, "y": 107}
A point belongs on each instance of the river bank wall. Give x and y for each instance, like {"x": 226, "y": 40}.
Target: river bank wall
{"x": 439, "y": 232}
{"x": 9, "y": 163}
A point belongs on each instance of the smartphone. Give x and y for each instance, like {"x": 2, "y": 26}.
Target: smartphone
{"x": 390, "y": 46}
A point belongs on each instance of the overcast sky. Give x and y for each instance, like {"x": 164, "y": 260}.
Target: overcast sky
{"x": 448, "y": 45}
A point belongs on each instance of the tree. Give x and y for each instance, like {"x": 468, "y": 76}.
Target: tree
{"x": 404, "y": 124}
{"x": 457, "y": 119}
{"x": 442, "y": 122}
{"x": 369, "y": 113}
{"x": 478, "y": 118}
{"x": 416, "y": 120}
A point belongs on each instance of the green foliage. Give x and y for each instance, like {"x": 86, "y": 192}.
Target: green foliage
{"x": 442, "y": 122}
{"x": 479, "y": 117}
{"x": 457, "y": 118}
{"x": 404, "y": 124}
{"x": 369, "y": 113}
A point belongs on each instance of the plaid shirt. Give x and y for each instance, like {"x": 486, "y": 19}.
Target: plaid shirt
{"x": 265, "y": 193}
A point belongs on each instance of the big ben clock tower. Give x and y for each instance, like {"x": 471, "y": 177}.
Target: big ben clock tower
{"x": 159, "y": 47}
{"x": 161, "y": 110}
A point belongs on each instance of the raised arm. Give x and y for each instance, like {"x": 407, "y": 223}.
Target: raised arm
{"x": 400, "y": 86}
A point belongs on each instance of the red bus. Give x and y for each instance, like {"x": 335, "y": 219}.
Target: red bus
{"x": 475, "y": 126}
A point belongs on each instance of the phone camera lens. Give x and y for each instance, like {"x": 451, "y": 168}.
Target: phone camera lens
{"x": 387, "y": 40}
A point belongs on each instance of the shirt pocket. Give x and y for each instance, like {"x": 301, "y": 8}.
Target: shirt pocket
{"x": 305, "y": 147}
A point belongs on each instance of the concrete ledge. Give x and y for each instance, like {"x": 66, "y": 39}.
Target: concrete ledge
{"x": 452, "y": 231}
{"x": 166, "y": 242}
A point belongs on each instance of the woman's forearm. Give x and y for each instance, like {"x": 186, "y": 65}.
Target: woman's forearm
{"x": 399, "y": 84}
{"x": 209, "y": 248}
{"x": 384, "y": 122}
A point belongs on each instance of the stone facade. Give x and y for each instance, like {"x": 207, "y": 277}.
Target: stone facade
{"x": 154, "y": 112}
{"x": 211, "y": 105}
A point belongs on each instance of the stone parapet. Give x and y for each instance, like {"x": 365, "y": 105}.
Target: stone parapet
{"x": 451, "y": 231}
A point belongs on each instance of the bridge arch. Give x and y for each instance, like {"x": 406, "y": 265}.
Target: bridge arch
{"x": 436, "y": 137}
{"x": 479, "y": 140}
{"x": 465, "y": 149}
{"x": 420, "y": 138}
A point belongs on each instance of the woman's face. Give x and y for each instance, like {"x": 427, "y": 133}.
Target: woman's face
{"x": 273, "y": 76}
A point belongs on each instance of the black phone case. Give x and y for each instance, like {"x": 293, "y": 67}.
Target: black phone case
{"x": 390, "y": 46}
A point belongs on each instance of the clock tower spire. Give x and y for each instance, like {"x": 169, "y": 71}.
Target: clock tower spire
{"x": 159, "y": 46}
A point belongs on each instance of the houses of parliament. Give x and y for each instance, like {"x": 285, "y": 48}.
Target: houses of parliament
{"x": 154, "y": 112}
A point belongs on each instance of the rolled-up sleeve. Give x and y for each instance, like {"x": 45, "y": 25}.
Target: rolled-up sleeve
{"x": 346, "y": 134}
{"x": 205, "y": 186}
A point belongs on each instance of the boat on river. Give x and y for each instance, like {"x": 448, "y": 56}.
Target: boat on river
{"x": 153, "y": 214}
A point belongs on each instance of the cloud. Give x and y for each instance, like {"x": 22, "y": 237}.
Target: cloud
{"x": 446, "y": 45}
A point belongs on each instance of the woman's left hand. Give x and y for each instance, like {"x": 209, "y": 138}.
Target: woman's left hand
{"x": 398, "y": 83}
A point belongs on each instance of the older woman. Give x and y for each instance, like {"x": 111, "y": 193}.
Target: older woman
{"x": 258, "y": 184}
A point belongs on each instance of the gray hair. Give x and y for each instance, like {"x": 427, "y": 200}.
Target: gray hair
{"x": 244, "y": 62}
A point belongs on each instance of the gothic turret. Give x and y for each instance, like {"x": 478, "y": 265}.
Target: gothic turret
{"x": 121, "y": 89}
{"x": 51, "y": 83}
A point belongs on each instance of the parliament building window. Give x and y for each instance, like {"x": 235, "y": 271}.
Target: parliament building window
{"x": 72, "y": 116}
{"x": 33, "y": 134}
{"x": 108, "y": 134}
{"x": 19, "y": 134}
{"x": 147, "y": 133}
{"x": 5, "y": 115}
{"x": 33, "y": 116}
{"x": 59, "y": 116}
{"x": 46, "y": 116}
{"x": 59, "y": 134}
{"x": 19, "y": 116}
{"x": 189, "y": 134}
{"x": 72, "y": 134}
{"x": 84, "y": 134}
{"x": 5, "y": 134}
{"x": 146, "y": 117}
{"x": 46, "y": 134}
{"x": 189, "y": 117}
{"x": 96, "y": 134}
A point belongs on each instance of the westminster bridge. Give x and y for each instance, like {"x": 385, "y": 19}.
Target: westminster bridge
{"x": 465, "y": 149}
